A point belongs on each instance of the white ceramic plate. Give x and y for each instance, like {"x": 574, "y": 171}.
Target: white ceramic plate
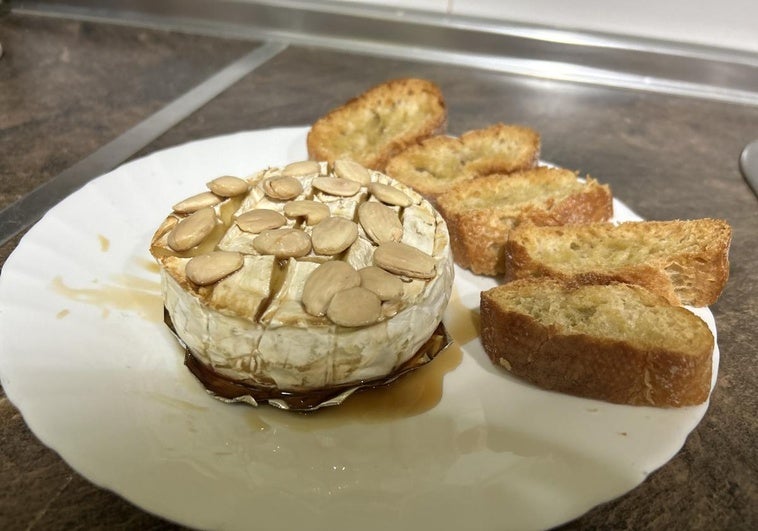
{"x": 99, "y": 378}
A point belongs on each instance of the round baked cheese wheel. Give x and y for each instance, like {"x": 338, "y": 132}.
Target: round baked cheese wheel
{"x": 306, "y": 276}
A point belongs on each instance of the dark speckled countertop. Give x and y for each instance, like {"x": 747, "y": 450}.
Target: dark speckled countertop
{"x": 67, "y": 87}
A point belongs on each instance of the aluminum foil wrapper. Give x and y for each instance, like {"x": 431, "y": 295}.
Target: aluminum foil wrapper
{"x": 232, "y": 391}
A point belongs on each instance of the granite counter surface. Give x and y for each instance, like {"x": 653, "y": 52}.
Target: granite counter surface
{"x": 68, "y": 87}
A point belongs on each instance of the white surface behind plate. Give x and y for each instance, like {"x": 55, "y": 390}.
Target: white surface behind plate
{"x": 98, "y": 377}
{"x": 724, "y": 24}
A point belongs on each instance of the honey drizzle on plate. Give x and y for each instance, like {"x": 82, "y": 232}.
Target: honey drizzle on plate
{"x": 412, "y": 394}
{"x": 123, "y": 292}
{"x": 128, "y": 293}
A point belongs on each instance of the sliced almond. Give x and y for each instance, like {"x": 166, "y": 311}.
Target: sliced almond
{"x": 302, "y": 168}
{"x": 385, "y": 285}
{"x": 282, "y": 187}
{"x": 390, "y": 195}
{"x": 380, "y": 222}
{"x": 333, "y": 235}
{"x": 196, "y": 202}
{"x": 206, "y": 269}
{"x": 168, "y": 224}
{"x": 402, "y": 259}
{"x": 283, "y": 243}
{"x": 352, "y": 171}
{"x": 192, "y": 230}
{"x": 260, "y": 219}
{"x": 326, "y": 280}
{"x": 354, "y": 307}
{"x": 228, "y": 186}
{"x": 313, "y": 211}
{"x": 336, "y": 186}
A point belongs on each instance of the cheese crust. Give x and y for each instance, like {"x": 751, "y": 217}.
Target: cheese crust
{"x": 251, "y": 326}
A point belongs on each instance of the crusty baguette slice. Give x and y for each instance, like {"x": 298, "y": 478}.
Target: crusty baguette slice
{"x": 687, "y": 262}
{"x": 617, "y": 342}
{"x": 481, "y": 212}
{"x": 378, "y": 124}
{"x": 439, "y": 163}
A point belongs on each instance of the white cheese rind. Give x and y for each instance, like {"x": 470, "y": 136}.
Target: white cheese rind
{"x": 286, "y": 347}
{"x": 293, "y": 357}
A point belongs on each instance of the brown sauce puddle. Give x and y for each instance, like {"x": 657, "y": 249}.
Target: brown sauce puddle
{"x": 410, "y": 395}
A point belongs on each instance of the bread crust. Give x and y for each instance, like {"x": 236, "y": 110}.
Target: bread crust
{"x": 593, "y": 366}
{"x": 695, "y": 277}
{"x": 478, "y": 235}
{"x": 439, "y": 163}
{"x": 380, "y": 123}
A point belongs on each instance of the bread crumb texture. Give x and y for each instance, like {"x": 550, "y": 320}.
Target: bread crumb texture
{"x": 437, "y": 164}
{"x": 615, "y": 342}
{"x": 378, "y": 124}
{"x": 686, "y": 261}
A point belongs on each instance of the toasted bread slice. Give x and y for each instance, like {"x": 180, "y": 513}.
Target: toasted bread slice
{"x": 617, "y": 342}
{"x": 687, "y": 262}
{"x": 375, "y": 126}
{"x": 481, "y": 212}
{"x": 441, "y": 162}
